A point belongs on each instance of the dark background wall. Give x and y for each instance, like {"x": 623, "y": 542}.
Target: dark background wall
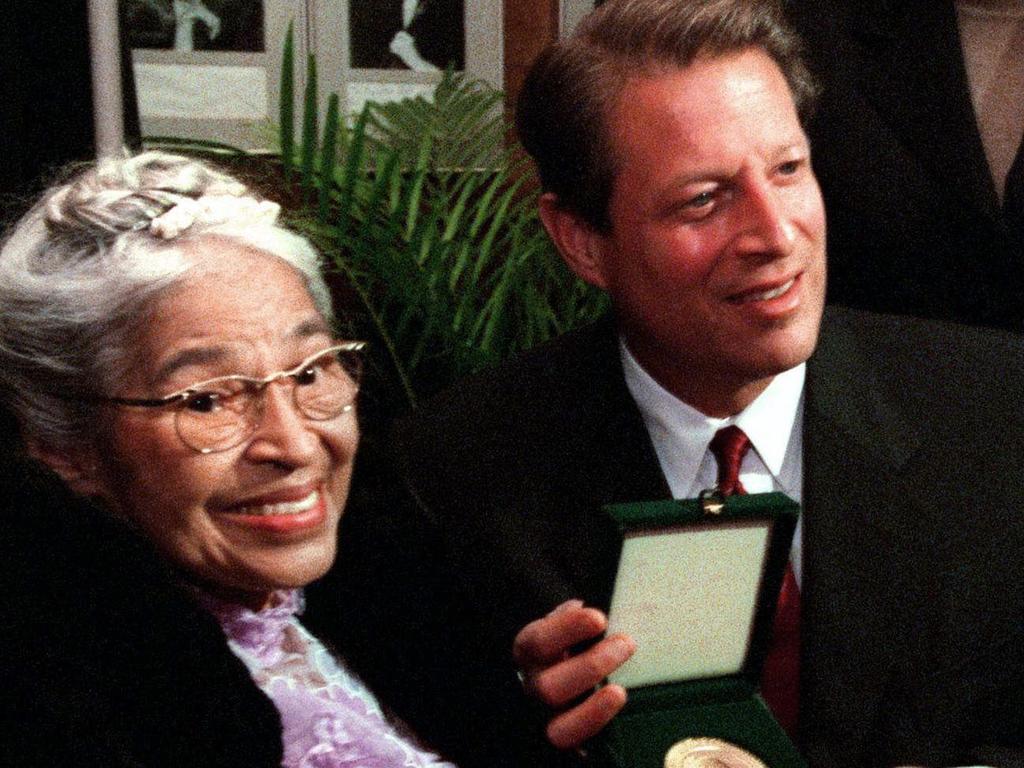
{"x": 45, "y": 96}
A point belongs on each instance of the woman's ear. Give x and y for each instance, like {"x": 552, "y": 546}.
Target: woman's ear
{"x": 79, "y": 469}
{"x": 582, "y": 248}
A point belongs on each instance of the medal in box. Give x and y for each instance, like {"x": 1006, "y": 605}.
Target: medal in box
{"x": 696, "y": 587}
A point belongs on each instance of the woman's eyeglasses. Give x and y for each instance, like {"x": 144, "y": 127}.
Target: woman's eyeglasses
{"x": 221, "y": 413}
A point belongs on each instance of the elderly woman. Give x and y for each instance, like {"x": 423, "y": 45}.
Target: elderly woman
{"x": 167, "y": 349}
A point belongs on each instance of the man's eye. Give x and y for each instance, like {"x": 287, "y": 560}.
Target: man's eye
{"x": 202, "y": 402}
{"x": 702, "y": 200}
{"x": 695, "y": 208}
{"x": 791, "y": 167}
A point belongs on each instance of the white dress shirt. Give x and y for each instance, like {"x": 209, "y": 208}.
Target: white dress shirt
{"x": 680, "y": 434}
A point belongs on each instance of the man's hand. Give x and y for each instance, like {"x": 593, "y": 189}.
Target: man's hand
{"x": 552, "y": 674}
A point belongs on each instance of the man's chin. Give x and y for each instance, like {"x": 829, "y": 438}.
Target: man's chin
{"x": 793, "y": 348}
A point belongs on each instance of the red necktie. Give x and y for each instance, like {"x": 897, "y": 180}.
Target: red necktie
{"x": 729, "y": 446}
{"x": 780, "y": 677}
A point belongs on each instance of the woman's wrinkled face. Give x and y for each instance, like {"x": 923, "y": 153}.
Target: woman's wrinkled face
{"x": 264, "y": 514}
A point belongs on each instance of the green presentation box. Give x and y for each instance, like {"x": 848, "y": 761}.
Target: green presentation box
{"x": 696, "y": 587}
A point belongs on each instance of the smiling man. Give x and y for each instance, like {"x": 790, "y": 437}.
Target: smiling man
{"x": 714, "y": 250}
{"x": 677, "y": 178}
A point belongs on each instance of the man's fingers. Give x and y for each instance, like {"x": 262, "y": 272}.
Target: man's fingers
{"x": 554, "y": 671}
{"x": 568, "y": 605}
{"x": 560, "y": 683}
{"x": 573, "y": 727}
{"x": 546, "y": 641}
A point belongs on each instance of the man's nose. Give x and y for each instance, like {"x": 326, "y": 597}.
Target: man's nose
{"x": 768, "y": 230}
{"x": 282, "y": 433}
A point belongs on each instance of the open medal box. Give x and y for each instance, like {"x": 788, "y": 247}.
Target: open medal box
{"x": 696, "y": 587}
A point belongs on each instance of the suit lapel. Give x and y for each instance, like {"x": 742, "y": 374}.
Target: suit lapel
{"x": 627, "y": 469}
{"x": 855, "y": 445}
{"x": 610, "y": 454}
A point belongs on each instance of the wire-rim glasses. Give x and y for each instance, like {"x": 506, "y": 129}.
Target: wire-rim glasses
{"x": 218, "y": 414}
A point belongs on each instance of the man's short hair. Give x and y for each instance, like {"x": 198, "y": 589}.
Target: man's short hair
{"x": 562, "y": 111}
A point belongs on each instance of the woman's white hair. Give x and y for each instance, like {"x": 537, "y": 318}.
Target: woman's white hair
{"x": 78, "y": 271}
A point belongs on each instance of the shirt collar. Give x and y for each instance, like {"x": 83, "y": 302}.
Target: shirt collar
{"x": 768, "y": 420}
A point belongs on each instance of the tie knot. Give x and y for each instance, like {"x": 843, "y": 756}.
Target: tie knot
{"x": 729, "y": 446}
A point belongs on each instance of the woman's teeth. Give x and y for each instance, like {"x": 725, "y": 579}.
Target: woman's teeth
{"x": 282, "y": 508}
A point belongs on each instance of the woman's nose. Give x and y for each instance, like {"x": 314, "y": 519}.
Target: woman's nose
{"x": 282, "y": 433}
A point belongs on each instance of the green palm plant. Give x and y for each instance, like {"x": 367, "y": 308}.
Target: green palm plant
{"x": 429, "y": 213}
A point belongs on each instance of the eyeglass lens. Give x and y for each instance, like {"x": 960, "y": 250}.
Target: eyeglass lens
{"x": 221, "y": 414}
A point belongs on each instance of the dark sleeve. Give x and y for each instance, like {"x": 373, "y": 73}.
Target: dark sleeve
{"x": 396, "y": 608}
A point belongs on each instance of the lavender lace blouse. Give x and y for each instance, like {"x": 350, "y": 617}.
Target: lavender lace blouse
{"x": 329, "y": 718}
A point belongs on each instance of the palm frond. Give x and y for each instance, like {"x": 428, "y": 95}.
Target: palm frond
{"x": 429, "y": 214}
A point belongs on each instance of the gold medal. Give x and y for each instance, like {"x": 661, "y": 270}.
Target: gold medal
{"x": 705, "y": 752}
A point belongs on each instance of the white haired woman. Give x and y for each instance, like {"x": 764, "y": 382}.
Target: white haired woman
{"x": 167, "y": 349}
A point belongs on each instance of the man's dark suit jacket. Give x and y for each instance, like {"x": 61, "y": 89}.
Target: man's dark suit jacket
{"x": 915, "y": 225}
{"x": 913, "y": 605}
